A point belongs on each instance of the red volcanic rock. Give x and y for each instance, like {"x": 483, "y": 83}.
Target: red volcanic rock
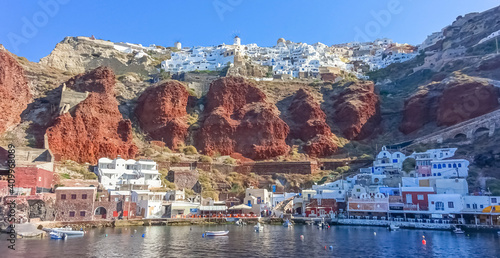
{"x": 94, "y": 128}
{"x": 238, "y": 119}
{"x": 454, "y": 100}
{"x": 14, "y": 91}
{"x": 161, "y": 111}
{"x": 357, "y": 110}
{"x": 418, "y": 111}
{"x": 462, "y": 101}
{"x": 308, "y": 123}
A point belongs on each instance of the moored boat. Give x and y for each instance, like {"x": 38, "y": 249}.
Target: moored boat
{"x": 393, "y": 227}
{"x": 287, "y": 224}
{"x": 258, "y": 227}
{"x": 216, "y": 233}
{"x": 68, "y": 231}
{"x": 55, "y": 235}
{"x": 458, "y": 231}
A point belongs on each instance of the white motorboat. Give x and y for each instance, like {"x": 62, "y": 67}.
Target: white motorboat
{"x": 458, "y": 231}
{"x": 287, "y": 224}
{"x": 68, "y": 231}
{"x": 216, "y": 233}
{"x": 393, "y": 227}
{"x": 258, "y": 228}
{"x": 54, "y": 235}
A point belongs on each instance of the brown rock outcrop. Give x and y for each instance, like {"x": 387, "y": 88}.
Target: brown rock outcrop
{"x": 453, "y": 100}
{"x": 237, "y": 118}
{"x": 357, "y": 110}
{"x": 94, "y": 128}
{"x": 14, "y": 91}
{"x": 308, "y": 123}
{"x": 161, "y": 111}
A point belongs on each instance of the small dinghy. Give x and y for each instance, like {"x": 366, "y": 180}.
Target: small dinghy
{"x": 458, "y": 231}
{"x": 287, "y": 224}
{"x": 68, "y": 231}
{"x": 393, "y": 227}
{"x": 55, "y": 235}
{"x": 216, "y": 233}
{"x": 258, "y": 227}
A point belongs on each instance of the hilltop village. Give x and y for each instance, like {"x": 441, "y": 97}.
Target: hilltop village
{"x": 107, "y": 131}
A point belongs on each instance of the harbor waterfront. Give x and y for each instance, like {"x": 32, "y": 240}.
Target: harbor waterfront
{"x": 272, "y": 241}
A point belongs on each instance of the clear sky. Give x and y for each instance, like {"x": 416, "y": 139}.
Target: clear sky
{"x": 33, "y": 28}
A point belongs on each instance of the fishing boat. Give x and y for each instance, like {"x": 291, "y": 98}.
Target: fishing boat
{"x": 458, "y": 231}
{"x": 258, "y": 227}
{"x": 393, "y": 227}
{"x": 216, "y": 233}
{"x": 54, "y": 235}
{"x": 68, "y": 231}
{"x": 287, "y": 224}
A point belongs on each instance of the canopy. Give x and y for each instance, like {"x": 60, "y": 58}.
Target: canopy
{"x": 490, "y": 209}
{"x": 240, "y": 207}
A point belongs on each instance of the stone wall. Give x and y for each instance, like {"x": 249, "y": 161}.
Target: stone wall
{"x": 270, "y": 168}
{"x": 67, "y": 205}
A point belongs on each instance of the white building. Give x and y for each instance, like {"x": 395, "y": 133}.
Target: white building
{"x": 450, "y": 168}
{"x": 445, "y": 203}
{"x": 478, "y": 203}
{"x": 452, "y": 186}
{"x": 149, "y": 204}
{"x": 114, "y": 173}
{"x": 386, "y": 162}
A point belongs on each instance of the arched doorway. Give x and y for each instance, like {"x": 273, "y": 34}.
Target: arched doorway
{"x": 101, "y": 211}
{"x": 481, "y": 131}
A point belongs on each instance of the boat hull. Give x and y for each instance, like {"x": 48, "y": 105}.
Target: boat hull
{"x": 216, "y": 233}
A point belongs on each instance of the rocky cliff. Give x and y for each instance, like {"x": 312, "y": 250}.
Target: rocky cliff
{"x": 357, "y": 110}
{"x": 94, "y": 128}
{"x": 14, "y": 91}
{"x": 161, "y": 112}
{"x": 237, "y": 118}
{"x": 80, "y": 54}
{"x": 455, "y": 99}
{"x": 308, "y": 123}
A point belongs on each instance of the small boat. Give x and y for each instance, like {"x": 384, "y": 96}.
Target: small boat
{"x": 458, "y": 231}
{"x": 287, "y": 224}
{"x": 393, "y": 227}
{"x": 54, "y": 235}
{"x": 216, "y": 233}
{"x": 258, "y": 228}
{"x": 68, "y": 231}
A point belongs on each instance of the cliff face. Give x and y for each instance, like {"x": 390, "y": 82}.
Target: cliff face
{"x": 451, "y": 101}
{"x": 161, "y": 111}
{"x": 94, "y": 128}
{"x": 308, "y": 123}
{"x": 14, "y": 91}
{"x": 80, "y": 54}
{"x": 237, "y": 118}
{"x": 357, "y": 110}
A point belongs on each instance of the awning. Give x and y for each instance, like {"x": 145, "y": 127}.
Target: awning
{"x": 493, "y": 208}
{"x": 240, "y": 207}
{"x": 213, "y": 208}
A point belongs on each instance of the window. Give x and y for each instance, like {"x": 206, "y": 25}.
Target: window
{"x": 39, "y": 178}
{"x": 494, "y": 200}
{"x": 358, "y": 190}
{"x": 116, "y": 199}
{"x": 439, "y": 166}
{"x": 71, "y": 213}
{"x": 450, "y": 205}
{"x": 454, "y": 165}
{"x": 468, "y": 206}
{"x": 126, "y": 199}
{"x": 474, "y": 206}
{"x": 459, "y": 165}
{"x": 435, "y": 166}
{"x": 408, "y": 199}
{"x": 82, "y": 213}
{"x": 420, "y": 197}
{"x": 449, "y": 165}
{"x": 394, "y": 161}
{"x": 481, "y": 206}
{"x": 397, "y": 156}
{"x": 439, "y": 206}
{"x": 84, "y": 196}
{"x": 73, "y": 196}
{"x": 439, "y": 174}
{"x": 63, "y": 197}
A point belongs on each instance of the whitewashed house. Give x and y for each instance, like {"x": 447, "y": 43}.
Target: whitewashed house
{"x": 149, "y": 204}
{"x": 115, "y": 173}
{"x": 445, "y": 203}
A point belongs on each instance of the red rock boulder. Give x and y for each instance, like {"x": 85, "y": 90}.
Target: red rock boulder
{"x": 94, "y": 128}
{"x": 14, "y": 91}
{"x": 161, "y": 111}
{"x": 357, "y": 110}
{"x": 418, "y": 111}
{"x": 237, "y": 118}
{"x": 308, "y": 123}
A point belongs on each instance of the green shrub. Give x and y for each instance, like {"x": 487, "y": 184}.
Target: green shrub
{"x": 342, "y": 170}
{"x": 204, "y": 158}
{"x": 366, "y": 156}
{"x": 189, "y": 150}
{"x": 175, "y": 159}
{"x": 66, "y": 176}
{"x": 230, "y": 161}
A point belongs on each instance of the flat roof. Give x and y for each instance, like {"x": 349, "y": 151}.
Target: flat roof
{"x": 75, "y": 188}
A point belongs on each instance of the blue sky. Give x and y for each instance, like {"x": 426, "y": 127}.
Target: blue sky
{"x": 33, "y": 29}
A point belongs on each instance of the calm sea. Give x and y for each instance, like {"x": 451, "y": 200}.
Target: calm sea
{"x": 274, "y": 241}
